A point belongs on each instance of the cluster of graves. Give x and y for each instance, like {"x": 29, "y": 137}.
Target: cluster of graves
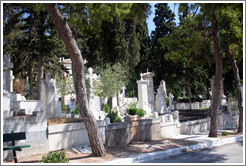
{"x": 51, "y": 104}
{"x": 30, "y": 116}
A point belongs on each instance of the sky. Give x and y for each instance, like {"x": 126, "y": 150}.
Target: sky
{"x": 151, "y": 24}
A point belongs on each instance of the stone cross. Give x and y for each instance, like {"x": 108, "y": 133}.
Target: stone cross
{"x": 184, "y": 92}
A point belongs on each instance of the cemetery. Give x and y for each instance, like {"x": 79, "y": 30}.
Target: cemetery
{"x": 158, "y": 121}
{"x": 85, "y": 77}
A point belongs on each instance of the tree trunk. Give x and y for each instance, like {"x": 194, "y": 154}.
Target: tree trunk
{"x": 189, "y": 92}
{"x": 110, "y": 103}
{"x": 218, "y": 76}
{"x": 78, "y": 78}
{"x": 118, "y": 100}
{"x": 41, "y": 88}
{"x": 41, "y": 77}
{"x": 237, "y": 82}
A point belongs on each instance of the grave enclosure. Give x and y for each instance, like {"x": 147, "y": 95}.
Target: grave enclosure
{"x": 30, "y": 116}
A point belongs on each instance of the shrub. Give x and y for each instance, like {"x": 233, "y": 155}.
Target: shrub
{"x": 106, "y": 108}
{"x": 132, "y": 104}
{"x": 183, "y": 99}
{"x": 76, "y": 111}
{"x": 136, "y": 111}
{"x": 225, "y": 133}
{"x": 66, "y": 109}
{"x": 55, "y": 157}
{"x": 113, "y": 116}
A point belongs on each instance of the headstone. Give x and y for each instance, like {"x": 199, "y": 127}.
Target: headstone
{"x": 107, "y": 120}
{"x": 94, "y": 101}
{"x": 49, "y": 97}
{"x": 7, "y": 73}
{"x": 170, "y": 107}
{"x": 150, "y": 87}
{"x": 143, "y": 96}
{"x": 155, "y": 114}
{"x": 161, "y": 107}
{"x": 176, "y": 116}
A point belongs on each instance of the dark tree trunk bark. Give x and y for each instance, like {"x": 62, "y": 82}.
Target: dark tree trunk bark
{"x": 218, "y": 76}
{"x": 110, "y": 103}
{"x": 78, "y": 78}
{"x": 189, "y": 92}
{"x": 118, "y": 100}
{"x": 41, "y": 77}
{"x": 41, "y": 32}
{"x": 237, "y": 82}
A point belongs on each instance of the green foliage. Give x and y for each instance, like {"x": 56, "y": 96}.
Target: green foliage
{"x": 55, "y": 157}
{"x": 76, "y": 111}
{"x": 136, "y": 111}
{"x": 186, "y": 99}
{"x": 132, "y": 104}
{"x": 113, "y": 116}
{"x": 111, "y": 80}
{"x": 65, "y": 85}
{"x": 106, "y": 108}
{"x": 66, "y": 109}
{"x": 183, "y": 99}
{"x": 224, "y": 133}
{"x": 167, "y": 102}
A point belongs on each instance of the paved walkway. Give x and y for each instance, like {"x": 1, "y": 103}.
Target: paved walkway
{"x": 142, "y": 151}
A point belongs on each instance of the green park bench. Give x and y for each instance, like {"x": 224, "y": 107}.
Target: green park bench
{"x": 15, "y": 137}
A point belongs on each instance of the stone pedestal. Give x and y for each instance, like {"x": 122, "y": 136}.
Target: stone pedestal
{"x": 150, "y": 87}
{"x": 143, "y": 101}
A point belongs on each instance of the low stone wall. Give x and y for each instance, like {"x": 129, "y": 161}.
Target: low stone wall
{"x": 194, "y": 105}
{"x": 29, "y": 105}
{"x": 226, "y": 120}
{"x": 195, "y": 126}
{"x": 122, "y": 133}
{"x": 169, "y": 129}
{"x": 35, "y": 127}
{"x": 66, "y": 135}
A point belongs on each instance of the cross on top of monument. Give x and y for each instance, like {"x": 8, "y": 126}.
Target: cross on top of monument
{"x": 170, "y": 96}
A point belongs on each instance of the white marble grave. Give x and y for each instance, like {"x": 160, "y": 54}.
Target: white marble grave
{"x": 148, "y": 76}
{"x": 170, "y": 97}
{"x": 161, "y": 96}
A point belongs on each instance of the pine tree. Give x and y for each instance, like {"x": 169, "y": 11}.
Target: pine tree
{"x": 164, "y": 22}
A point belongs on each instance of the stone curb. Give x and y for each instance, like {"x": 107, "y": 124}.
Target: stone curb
{"x": 176, "y": 151}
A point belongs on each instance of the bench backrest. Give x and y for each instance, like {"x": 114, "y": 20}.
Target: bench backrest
{"x": 14, "y": 136}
